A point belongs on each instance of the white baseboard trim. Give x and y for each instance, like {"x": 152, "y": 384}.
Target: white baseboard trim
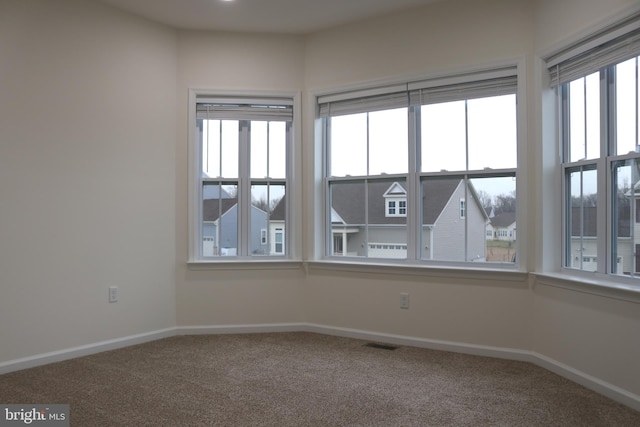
{"x": 592, "y": 383}
{"x": 595, "y": 384}
{"x": 599, "y": 386}
{"x": 84, "y": 350}
{"x": 478, "y": 350}
{"x": 240, "y": 329}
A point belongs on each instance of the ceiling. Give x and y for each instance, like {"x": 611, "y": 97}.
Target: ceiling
{"x": 268, "y": 16}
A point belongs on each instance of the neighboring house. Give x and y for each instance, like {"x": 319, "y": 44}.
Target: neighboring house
{"x": 220, "y": 228}
{"x": 277, "y": 228}
{"x": 583, "y": 223}
{"x": 502, "y": 227}
{"x": 380, "y": 231}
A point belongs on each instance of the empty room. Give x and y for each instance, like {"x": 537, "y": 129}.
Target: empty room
{"x": 298, "y": 212}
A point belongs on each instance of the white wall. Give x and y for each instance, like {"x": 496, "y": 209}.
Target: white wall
{"x": 443, "y": 37}
{"x": 93, "y": 182}
{"x": 228, "y": 62}
{"x": 87, "y": 182}
{"x": 592, "y": 334}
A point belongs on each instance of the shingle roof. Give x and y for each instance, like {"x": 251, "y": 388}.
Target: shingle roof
{"x": 278, "y": 212}
{"x": 211, "y": 208}
{"x": 590, "y": 222}
{"x": 348, "y": 200}
{"x": 503, "y": 219}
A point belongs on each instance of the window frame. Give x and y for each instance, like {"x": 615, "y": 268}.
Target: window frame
{"x": 292, "y": 243}
{"x": 552, "y": 207}
{"x": 323, "y": 247}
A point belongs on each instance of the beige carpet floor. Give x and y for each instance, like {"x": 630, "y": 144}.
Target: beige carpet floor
{"x": 306, "y": 379}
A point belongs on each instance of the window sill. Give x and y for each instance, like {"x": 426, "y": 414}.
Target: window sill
{"x": 495, "y": 276}
{"x": 243, "y": 264}
{"x": 592, "y": 285}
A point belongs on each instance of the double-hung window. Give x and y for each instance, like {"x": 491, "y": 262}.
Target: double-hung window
{"x": 598, "y": 90}
{"x": 241, "y": 171}
{"x": 419, "y": 171}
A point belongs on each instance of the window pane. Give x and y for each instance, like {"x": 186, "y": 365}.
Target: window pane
{"x": 497, "y": 196}
{"x": 220, "y": 148}
{"x": 492, "y": 132}
{"x": 259, "y": 150}
{"x": 443, "y": 231}
{"x": 584, "y": 116}
{"x": 387, "y": 219}
{"x": 626, "y": 218}
{"x": 348, "y": 151}
{"x": 277, "y": 149}
{"x": 268, "y": 215}
{"x": 626, "y": 106}
{"x": 360, "y": 220}
{"x": 348, "y": 222}
{"x": 219, "y": 219}
{"x": 443, "y": 137}
{"x": 388, "y": 142}
{"x": 210, "y": 148}
{"x": 268, "y": 149}
{"x": 582, "y": 251}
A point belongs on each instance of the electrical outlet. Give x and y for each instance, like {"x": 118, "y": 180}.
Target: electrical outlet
{"x": 113, "y": 294}
{"x": 404, "y": 300}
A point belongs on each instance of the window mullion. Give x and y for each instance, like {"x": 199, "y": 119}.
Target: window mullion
{"x": 244, "y": 189}
{"x": 414, "y": 228}
{"x": 466, "y": 177}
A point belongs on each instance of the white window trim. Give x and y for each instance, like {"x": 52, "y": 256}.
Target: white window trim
{"x": 294, "y": 191}
{"x": 319, "y": 216}
{"x": 549, "y": 266}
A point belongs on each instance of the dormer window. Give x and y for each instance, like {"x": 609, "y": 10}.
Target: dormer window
{"x": 395, "y": 201}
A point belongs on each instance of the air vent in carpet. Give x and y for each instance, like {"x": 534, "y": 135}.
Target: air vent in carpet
{"x": 381, "y": 346}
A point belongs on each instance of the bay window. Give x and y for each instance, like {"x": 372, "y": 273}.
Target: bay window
{"x": 418, "y": 171}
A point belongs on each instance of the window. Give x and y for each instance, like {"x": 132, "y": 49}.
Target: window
{"x": 413, "y": 170}
{"x": 598, "y": 93}
{"x": 242, "y": 152}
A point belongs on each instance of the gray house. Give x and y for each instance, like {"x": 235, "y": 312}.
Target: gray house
{"x": 583, "y": 253}
{"x": 380, "y": 231}
{"x": 220, "y": 228}
{"x": 502, "y": 227}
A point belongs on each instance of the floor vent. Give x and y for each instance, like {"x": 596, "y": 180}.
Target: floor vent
{"x": 381, "y": 346}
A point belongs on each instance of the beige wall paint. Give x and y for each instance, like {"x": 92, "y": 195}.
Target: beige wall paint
{"x": 232, "y": 62}
{"x": 443, "y": 37}
{"x": 560, "y": 20}
{"x": 592, "y": 334}
{"x": 432, "y": 39}
{"x": 477, "y": 312}
{"x": 87, "y": 137}
{"x": 595, "y": 335}
{"x": 94, "y": 194}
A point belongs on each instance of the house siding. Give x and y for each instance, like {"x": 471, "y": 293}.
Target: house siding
{"x": 449, "y": 232}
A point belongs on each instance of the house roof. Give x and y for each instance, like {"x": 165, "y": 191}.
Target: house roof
{"x": 590, "y": 222}
{"x": 212, "y": 208}
{"x": 503, "y": 219}
{"x": 348, "y": 200}
{"x": 436, "y": 194}
{"x": 278, "y": 212}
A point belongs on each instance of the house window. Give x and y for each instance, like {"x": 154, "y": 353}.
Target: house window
{"x": 420, "y": 165}
{"x": 242, "y": 154}
{"x": 391, "y": 208}
{"x": 598, "y": 93}
{"x": 395, "y": 198}
{"x": 278, "y": 240}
